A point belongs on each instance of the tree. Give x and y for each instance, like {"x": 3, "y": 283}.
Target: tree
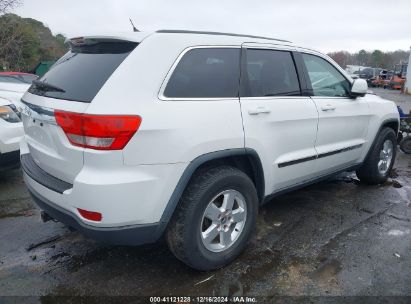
{"x": 8, "y": 34}
{"x": 377, "y": 58}
{"x": 342, "y": 58}
{"x": 19, "y": 44}
{"x": 8, "y": 5}
{"x": 25, "y": 42}
{"x": 362, "y": 57}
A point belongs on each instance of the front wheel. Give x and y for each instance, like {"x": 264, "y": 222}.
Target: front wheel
{"x": 380, "y": 160}
{"x": 215, "y": 218}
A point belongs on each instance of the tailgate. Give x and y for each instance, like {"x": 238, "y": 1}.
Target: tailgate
{"x": 48, "y": 144}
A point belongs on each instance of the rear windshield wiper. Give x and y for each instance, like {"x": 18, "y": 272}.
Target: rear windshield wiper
{"x": 47, "y": 87}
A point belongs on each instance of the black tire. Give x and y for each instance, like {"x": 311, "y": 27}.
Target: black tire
{"x": 369, "y": 173}
{"x": 405, "y": 145}
{"x": 399, "y": 137}
{"x": 183, "y": 234}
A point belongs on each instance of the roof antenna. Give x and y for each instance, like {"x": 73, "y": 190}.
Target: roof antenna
{"x": 134, "y": 28}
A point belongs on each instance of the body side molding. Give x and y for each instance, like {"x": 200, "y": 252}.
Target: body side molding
{"x": 305, "y": 159}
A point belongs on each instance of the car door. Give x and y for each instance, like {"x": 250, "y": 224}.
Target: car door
{"x": 279, "y": 123}
{"x": 343, "y": 121}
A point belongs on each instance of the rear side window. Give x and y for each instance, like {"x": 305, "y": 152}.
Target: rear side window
{"x": 270, "y": 73}
{"x": 82, "y": 72}
{"x": 206, "y": 73}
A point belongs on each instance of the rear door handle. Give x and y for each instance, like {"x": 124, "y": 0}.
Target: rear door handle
{"x": 328, "y": 107}
{"x": 259, "y": 110}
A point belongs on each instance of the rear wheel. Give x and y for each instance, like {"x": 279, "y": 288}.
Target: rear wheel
{"x": 215, "y": 218}
{"x": 378, "y": 164}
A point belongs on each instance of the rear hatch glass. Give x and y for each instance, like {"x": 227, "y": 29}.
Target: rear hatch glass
{"x": 81, "y": 73}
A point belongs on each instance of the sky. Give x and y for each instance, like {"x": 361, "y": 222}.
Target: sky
{"x": 324, "y": 25}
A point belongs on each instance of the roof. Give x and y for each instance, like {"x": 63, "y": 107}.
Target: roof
{"x": 140, "y": 36}
{"x": 219, "y": 34}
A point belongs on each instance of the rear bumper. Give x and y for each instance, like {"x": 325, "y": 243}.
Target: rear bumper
{"x": 127, "y": 235}
{"x": 43, "y": 178}
{"x": 131, "y": 199}
{"x": 9, "y": 160}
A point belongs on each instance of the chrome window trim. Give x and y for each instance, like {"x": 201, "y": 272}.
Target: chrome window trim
{"x": 164, "y": 84}
{"x": 273, "y": 97}
{"x": 247, "y": 45}
{"x": 268, "y": 46}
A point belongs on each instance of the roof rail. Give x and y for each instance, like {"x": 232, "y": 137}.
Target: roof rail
{"x": 219, "y": 33}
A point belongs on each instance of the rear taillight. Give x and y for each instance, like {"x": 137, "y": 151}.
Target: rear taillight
{"x": 99, "y": 132}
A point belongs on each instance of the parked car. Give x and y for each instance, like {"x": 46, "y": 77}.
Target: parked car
{"x": 11, "y": 131}
{"x": 369, "y": 73}
{"x": 14, "y": 84}
{"x": 17, "y": 77}
{"x": 209, "y": 127}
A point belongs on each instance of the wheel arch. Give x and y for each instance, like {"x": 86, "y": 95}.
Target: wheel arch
{"x": 387, "y": 123}
{"x": 245, "y": 159}
{"x": 390, "y": 123}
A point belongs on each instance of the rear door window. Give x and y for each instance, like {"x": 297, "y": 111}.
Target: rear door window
{"x": 270, "y": 73}
{"x": 81, "y": 73}
{"x": 206, "y": 73}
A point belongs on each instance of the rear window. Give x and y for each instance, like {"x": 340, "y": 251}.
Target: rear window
{"x": 82, "y": 72}
{"x": 206, "y": 73}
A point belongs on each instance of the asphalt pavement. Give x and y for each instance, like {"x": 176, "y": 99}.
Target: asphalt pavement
{"x": 336, "y": 238}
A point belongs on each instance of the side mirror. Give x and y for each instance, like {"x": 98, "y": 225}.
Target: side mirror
{"x": 359, "y": 88}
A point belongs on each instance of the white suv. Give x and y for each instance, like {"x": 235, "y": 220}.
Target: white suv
{"x": 11, "y": 132}
{"x": 185, "y": 134}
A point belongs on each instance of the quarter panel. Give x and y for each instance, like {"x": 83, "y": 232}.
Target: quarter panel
{"x": 171, "y": 131}
{"x": 179, "y": 131}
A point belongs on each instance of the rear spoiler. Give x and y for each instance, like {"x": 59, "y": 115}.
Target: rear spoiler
{"x": 93, "y": 39}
